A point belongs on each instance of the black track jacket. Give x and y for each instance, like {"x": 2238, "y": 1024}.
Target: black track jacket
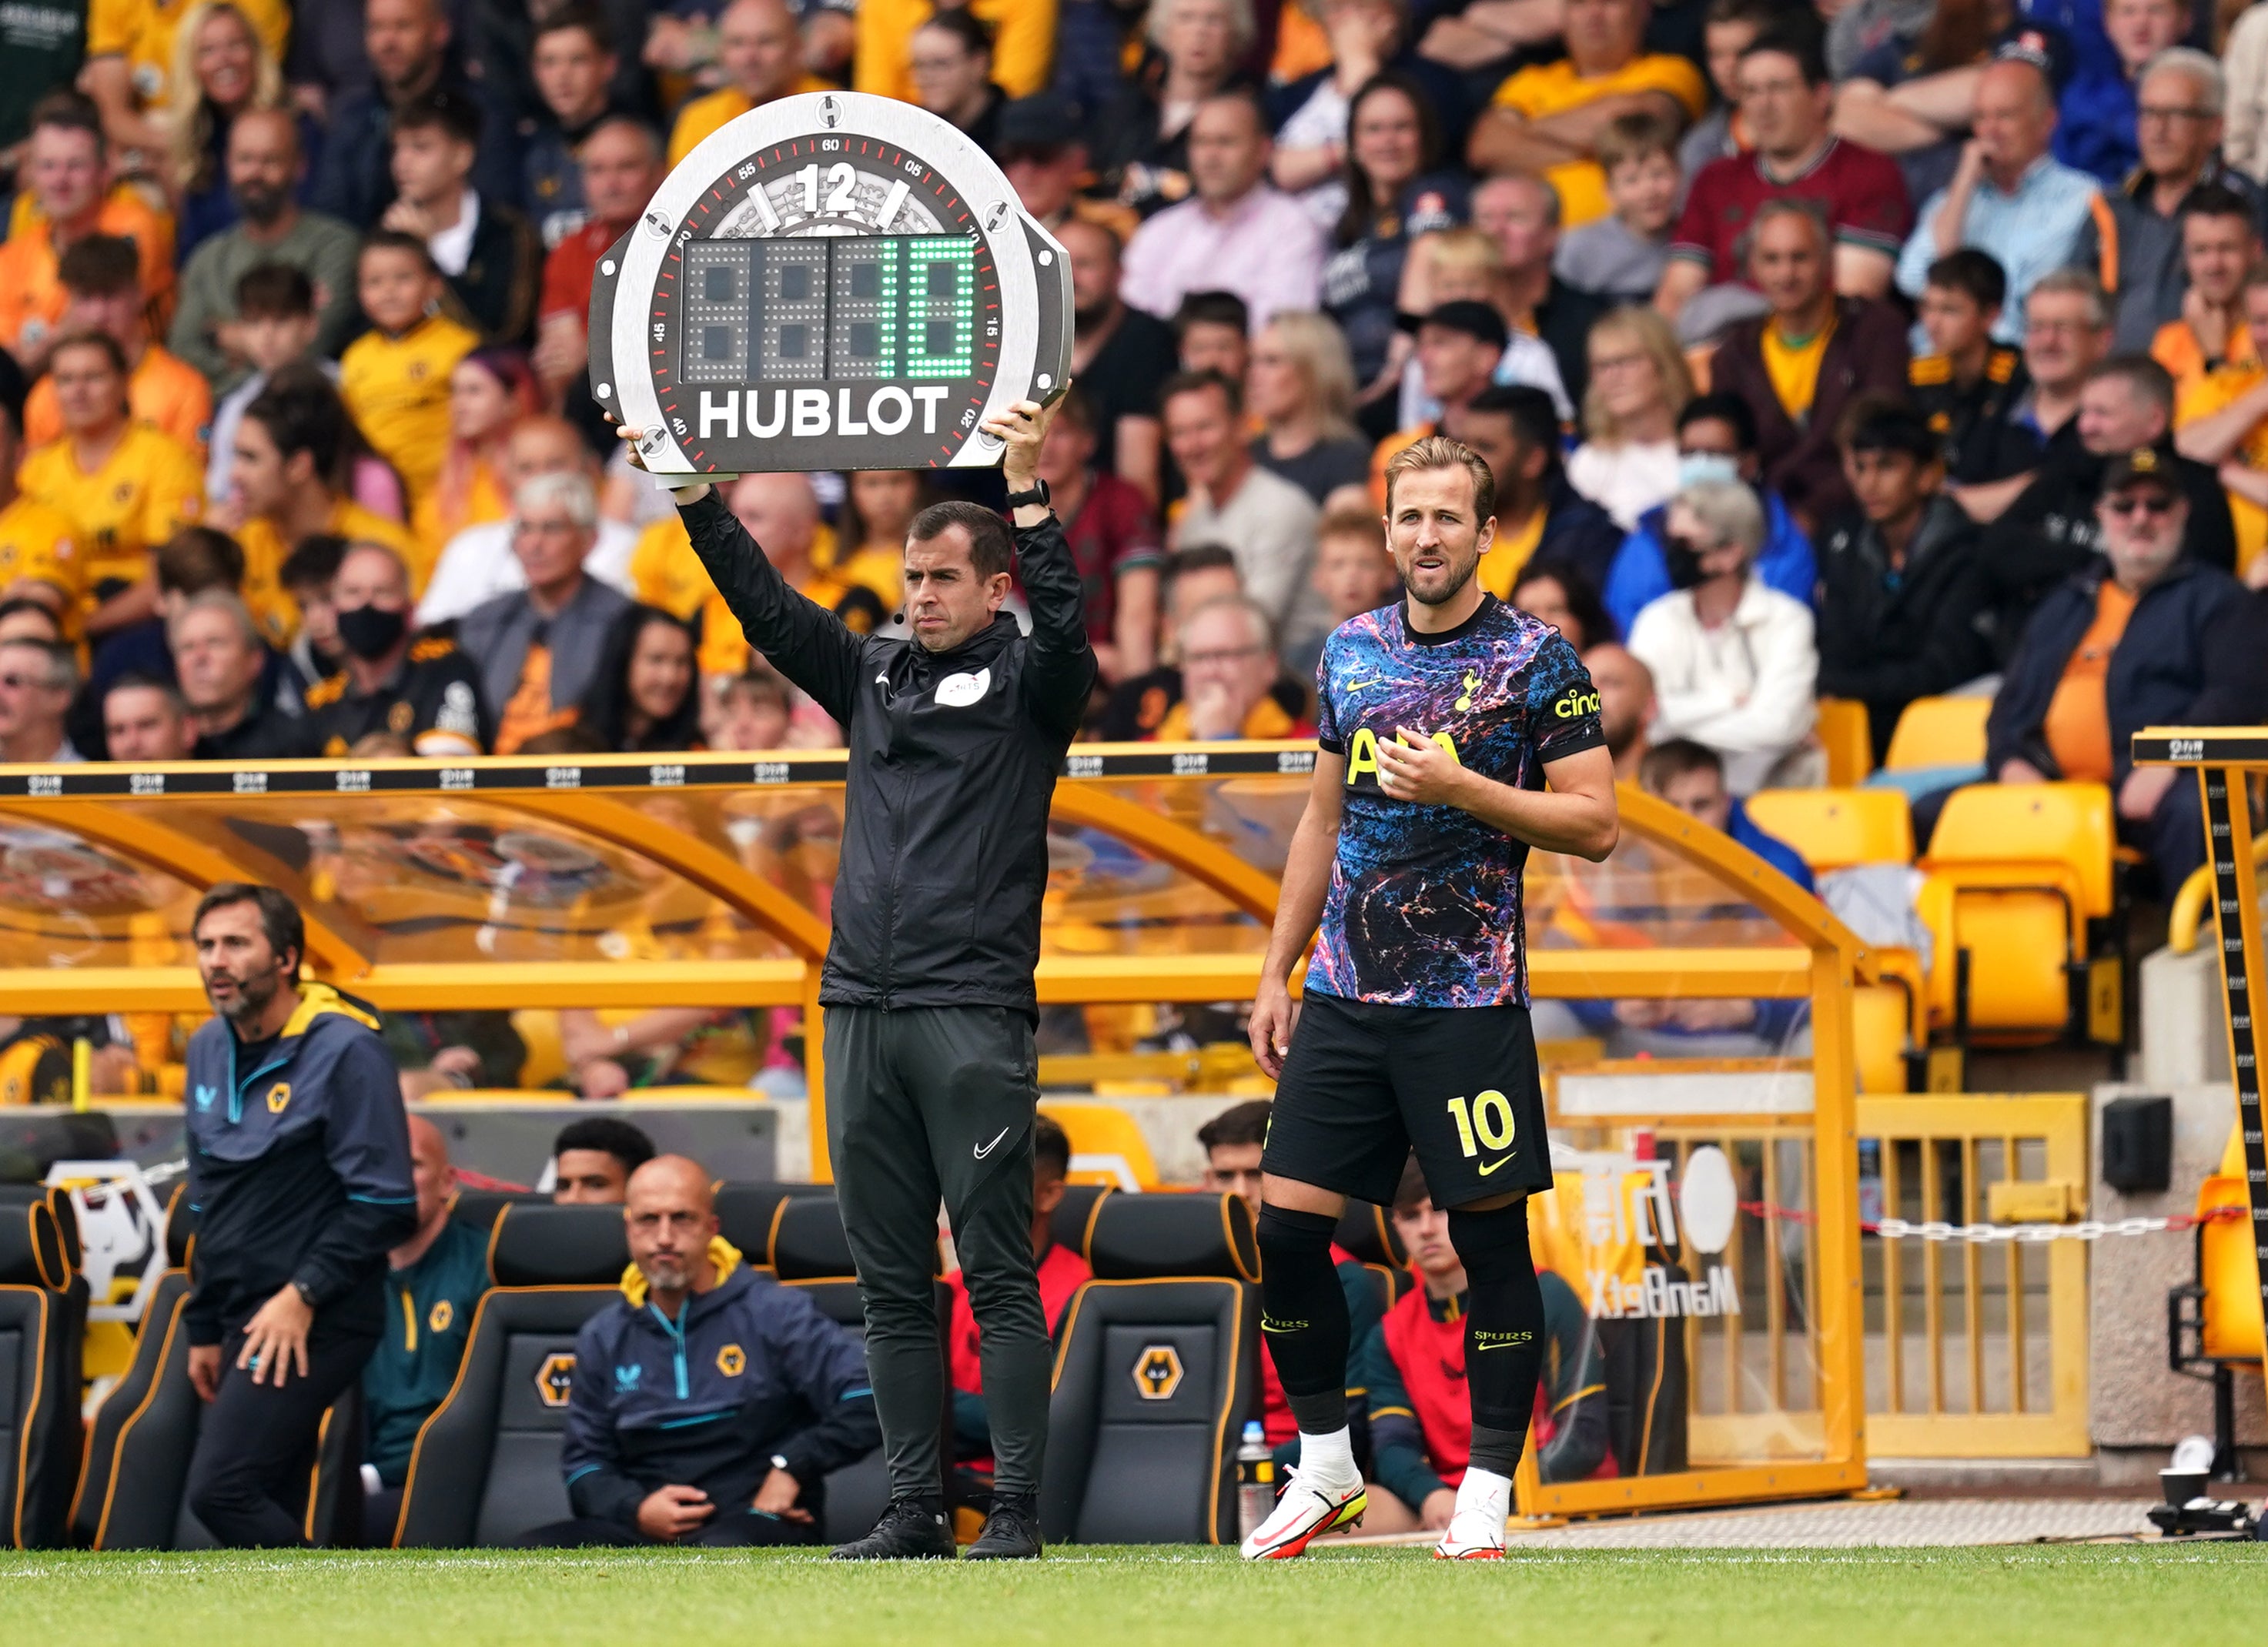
{"x": 953, "y": 760}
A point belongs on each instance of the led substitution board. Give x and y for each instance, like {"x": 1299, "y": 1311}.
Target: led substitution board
{"x": 833, "y": 281}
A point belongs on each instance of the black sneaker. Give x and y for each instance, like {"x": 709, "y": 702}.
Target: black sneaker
{"x": 1012, "y": 1532}
{"x": 910, "y": 1530}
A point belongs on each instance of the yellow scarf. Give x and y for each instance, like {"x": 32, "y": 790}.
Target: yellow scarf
{"x": 723, "y": 1258}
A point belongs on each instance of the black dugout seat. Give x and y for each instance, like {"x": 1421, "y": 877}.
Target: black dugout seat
{"x": 811, "y": 1253}
{"x": 480, "y": 1207}
{"x": 748, "y": 1213}
{"x": 42, "y": 1323}
{"x": 1071, "y": 1225}
{"x": 1157, "y": 1365}
{"x": 486, "y": 1465}
{"x": 136, "y": 1435}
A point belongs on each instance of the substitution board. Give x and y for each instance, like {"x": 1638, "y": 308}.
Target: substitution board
{"x": 833, "y": 281}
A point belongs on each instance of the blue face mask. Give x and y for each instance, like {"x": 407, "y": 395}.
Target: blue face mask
{"x": 1704, "y": 466}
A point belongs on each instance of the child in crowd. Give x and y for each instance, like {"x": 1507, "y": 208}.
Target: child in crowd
{"x": 1620, "y": 257}
{"x": 394, "y": 378}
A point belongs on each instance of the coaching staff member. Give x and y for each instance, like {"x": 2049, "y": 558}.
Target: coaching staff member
{"x": 299, "y": 1174}
{"x": 955, "y": 737}
{"x": 709, "y": 1404}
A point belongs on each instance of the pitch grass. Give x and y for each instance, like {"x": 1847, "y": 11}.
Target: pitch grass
{"x": 2059, "y": 1595}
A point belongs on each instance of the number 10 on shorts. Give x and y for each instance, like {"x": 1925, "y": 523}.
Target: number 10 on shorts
{"x": 1486, "y": 1124}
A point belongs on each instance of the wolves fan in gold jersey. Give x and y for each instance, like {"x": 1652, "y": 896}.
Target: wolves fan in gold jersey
{"x": 124, "y": 486}
{"x": 395, "y": 375}
{"x": 38, "y": 557}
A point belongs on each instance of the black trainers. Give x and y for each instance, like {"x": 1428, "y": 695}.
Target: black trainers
{"x": 910, "y": 1530}
{"x": 1012, "y": 1532}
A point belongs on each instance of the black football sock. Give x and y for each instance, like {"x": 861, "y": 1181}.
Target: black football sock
{"x": 1504, "y": 1331}
{"x": 1303, "y": 1316}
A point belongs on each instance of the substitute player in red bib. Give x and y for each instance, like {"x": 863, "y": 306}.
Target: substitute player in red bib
{"x": 1443, "y": 719}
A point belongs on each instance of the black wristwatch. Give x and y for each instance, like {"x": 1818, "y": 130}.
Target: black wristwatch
{"x": 1038, "y": 495}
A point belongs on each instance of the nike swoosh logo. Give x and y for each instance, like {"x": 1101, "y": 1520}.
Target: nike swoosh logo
{"x": 1357, "y": 686}
{"x": 983, "y": 1150}
{"x": 882, "y": 679}
{"x": 1499, "y": 1161}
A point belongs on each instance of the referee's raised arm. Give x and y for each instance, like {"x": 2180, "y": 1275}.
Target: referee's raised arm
{"x": 800, "y": 638}
{"x": 1060, "y": 667}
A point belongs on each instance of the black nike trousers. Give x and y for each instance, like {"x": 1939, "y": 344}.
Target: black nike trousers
{"x": 931, "y": 1105}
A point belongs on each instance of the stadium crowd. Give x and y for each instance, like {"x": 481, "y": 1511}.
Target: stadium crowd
{"x": 1870, "y": 352}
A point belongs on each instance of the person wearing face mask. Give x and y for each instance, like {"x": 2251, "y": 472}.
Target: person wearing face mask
{"x": 418, "y": 688}
{"x": 1716, "y": 441}
{"x": 1736, "y": 664}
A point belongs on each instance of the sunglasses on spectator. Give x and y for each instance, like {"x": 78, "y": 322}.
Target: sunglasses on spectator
{"x": 2146, "y": 502}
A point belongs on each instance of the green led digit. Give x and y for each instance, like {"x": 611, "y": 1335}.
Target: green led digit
{"x": 893, "y": 284}
{"x": 940, "y": 332}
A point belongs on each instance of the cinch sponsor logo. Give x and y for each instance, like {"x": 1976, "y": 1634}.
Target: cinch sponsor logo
{"x": 805, "y": 413}
{"x": 1574, "y": 704}
{"x": 1362, "y": 753}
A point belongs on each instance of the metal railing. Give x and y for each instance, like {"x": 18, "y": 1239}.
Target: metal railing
{"x": 1975, "y": 1350}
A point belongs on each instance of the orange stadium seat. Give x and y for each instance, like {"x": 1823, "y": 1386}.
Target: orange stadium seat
{"x": 1841, "y": 828}
{"x": 1106, "y": 1145}
{"x": 2018, "y": 877}
{"x": 2213, "y": 1319}
{"x": 1846, "y": 735}
{"x": 1836, "y": 828}
{"x": 1939, "y": 733}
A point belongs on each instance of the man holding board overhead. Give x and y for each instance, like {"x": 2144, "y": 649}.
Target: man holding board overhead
{"x": 955, "y": 737}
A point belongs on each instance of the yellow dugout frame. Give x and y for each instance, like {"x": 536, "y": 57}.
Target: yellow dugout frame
{"x": 670, "y": 820}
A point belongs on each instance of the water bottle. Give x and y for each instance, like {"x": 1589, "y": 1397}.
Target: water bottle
{"x": 1256, "y": 1480}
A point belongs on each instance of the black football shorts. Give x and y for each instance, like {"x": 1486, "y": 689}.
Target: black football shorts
{"x": 1364, "y": 1085}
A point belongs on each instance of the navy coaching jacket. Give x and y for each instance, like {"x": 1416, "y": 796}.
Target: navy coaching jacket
{"x": 746, "y": 1371}
{"x": 299, "y": 1169}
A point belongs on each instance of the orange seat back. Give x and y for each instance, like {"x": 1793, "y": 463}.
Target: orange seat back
{"x": 1939, "y": 733}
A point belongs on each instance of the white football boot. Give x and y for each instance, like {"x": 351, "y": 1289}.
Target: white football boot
{"x": 1307, "y": 1509}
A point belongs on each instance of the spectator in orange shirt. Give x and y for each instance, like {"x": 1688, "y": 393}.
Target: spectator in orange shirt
{"x": 67, "y": 176}
{"x": 2220, "y": 243}
{"x": 1062, "y": 1271}
{"x": 762, "y": 56}
{"x": 101, "y": 280}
